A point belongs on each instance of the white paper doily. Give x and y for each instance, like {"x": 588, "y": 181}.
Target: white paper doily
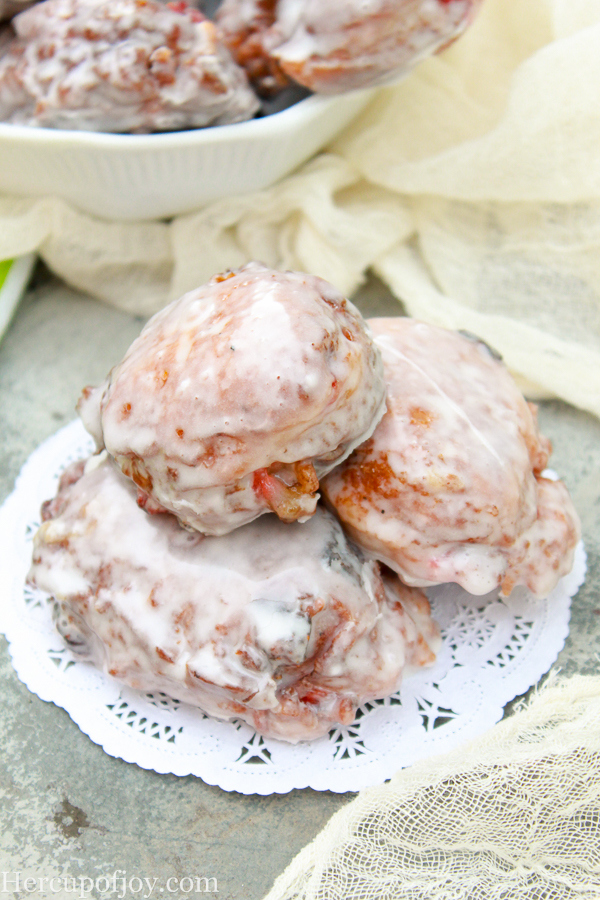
{"x": 492, "y": 651}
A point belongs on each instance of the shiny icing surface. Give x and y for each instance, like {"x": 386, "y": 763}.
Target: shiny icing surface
{"x": 237, "y": 398}
{"x": 449, "y": 487}
{"x": 285, "y": 626}
{"x": 332, "y": 47}
{"x": 120, "y": 66}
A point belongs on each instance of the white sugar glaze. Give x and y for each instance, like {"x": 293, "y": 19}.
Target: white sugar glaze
{"x": 120, "y": 66}
{"x": 238, "y": 397}
{"x": 449, "y": 487}
{"x": 317, "y": 28}
{"x": 285, "y": 626}
{"x": 332, "y": 47}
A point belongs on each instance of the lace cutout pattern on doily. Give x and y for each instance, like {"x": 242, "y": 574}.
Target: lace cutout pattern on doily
{"x": 492, "y": 650}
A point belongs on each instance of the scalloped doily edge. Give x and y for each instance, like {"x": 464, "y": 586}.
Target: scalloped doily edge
{"x": 263, "y": 783}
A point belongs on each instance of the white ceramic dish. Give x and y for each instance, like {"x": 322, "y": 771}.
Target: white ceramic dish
{"x": 161, "y": 175}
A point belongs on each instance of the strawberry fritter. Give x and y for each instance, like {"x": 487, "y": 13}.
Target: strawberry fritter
{"x": 333, "y": 47}
{"x": 243, "y": 26}
{"x": 286, "y": 627}
{"x": 449, "y": 487}
{"x": 120, "y": 66}
{"x": 237, "y": 398}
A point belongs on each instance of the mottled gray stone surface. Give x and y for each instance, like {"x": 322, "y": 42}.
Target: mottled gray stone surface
{"x": 67, "y": 807}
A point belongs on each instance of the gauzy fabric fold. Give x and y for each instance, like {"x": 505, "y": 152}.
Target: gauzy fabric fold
{"x": 515, "y": 813}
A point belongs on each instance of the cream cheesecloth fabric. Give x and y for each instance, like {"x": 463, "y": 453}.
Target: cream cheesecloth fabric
{"x": 472, "y": 188}
{"x": 515, "y": 814}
